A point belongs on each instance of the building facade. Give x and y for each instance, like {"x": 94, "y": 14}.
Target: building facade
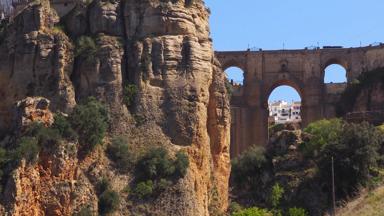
{"x": 282, "y": 112}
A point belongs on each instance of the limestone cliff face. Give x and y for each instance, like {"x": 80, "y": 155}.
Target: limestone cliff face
{"x": 170, "y": 59}
{"x": 370, "y": 99}
{"x": 35, "y": 60}
{"x": 163, "y": 48}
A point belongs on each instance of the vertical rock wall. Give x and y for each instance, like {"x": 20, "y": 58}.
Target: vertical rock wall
{"x": 171, "y": 59}
{"x": 163, "y": 48}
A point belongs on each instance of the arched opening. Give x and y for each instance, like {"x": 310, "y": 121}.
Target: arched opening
{"x": 235, "y": 76}
{"x": 335, "y": 73}
{"x": 284, "y": 107}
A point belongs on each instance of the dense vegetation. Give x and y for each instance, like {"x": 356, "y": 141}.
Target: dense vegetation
{"x": 121, "y": 154}
{"x": 357, "y": 151}
{"x": 109, "y": 199}
{"x": 130, "y": 92}
{"x": 90, "y": 120}
{"x": 86, "y": 48}
{"x": 87, "y": 124}
{"x": 156, "y": 171}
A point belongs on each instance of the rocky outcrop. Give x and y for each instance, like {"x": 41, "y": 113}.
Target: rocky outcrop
{"x": 49, "y": 186}
{"x": 32, "y": 110}
{"x": 160, "y": 47}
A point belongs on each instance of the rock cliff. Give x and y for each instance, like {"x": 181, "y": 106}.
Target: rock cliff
{"x": 163, "y": 49}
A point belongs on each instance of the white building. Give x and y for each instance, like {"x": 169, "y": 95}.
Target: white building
{"x": 281, "y": 112}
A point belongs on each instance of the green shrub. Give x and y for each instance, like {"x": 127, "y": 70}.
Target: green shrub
{"x": 63, "y": 126}
{"x": 321, "y": 133}
{"x": 252, "y": 212}
{"x": 162, "y": 185}
{"x": 355, "y": 153}
{"x": 85, "y": 211}
{"x": 234, "y": 207}
{"x": 109, "y": 201}
{"x": 86, "y": 48}
{"x": 276, "y": 195}
{"x": 249, "y": 169}
{"x": 90, "y": 121}
{"x": 27, "y": 148}
{"x": 143, "y": 190}
{"x": 156, "y": 164}
{"x": 297, "y": 212}
{"x": 229, "y": 88}
{"x": 156, "y": 170}
{"x": 276, "y": 128}
{"x": 119, "y": 152}
{"x": 103, "y": 185}
{"x": 130, "y": 92}
{"x": 181, "y": 164}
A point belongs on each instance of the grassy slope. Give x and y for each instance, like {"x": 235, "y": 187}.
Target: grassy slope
{"x": 369, "y": 204}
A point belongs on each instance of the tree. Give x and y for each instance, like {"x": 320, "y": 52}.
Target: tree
{"x": 321, "y": 133}
{"x": 249, "y": 169}
{"x": 90, "y": 121}
{"x": 355, "y": 153}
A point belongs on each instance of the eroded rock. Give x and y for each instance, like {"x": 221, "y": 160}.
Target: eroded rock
{"x": 31, "y": 110}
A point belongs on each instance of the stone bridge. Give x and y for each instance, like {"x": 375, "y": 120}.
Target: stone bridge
{"x": 304, "y": 70}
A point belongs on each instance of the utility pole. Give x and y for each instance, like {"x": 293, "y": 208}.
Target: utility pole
{"x": 333, "y": 190}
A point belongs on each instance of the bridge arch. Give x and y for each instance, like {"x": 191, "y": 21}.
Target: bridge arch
{"x": 335, "y": 73}
{"x": 295, "y": 84}
{"x": 235, "y": 75}
{"x": 283, "y": 110}
{"x": 335, "y": 61}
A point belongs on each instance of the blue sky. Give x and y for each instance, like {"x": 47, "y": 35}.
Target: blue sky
{"x": 268, "y": 24}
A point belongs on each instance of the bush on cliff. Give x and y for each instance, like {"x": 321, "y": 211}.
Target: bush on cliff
{"x": 109, "y": 201}
{"x": 156, "y": 171}
{"x": 35, "y": 138}
{"x": 157, "y": 164}
{"x": 63, "y": 126}
{"x": 28, "y": 148}
{"x": 143, "y": 190}
{"x": 130, "y": 92}
{"x": 119, "y": 152}
{"x": 86, "y": 48}
{"x": 90, "y": 121}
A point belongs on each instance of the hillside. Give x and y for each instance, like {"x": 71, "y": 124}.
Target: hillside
{"x": 368, "y": 204}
